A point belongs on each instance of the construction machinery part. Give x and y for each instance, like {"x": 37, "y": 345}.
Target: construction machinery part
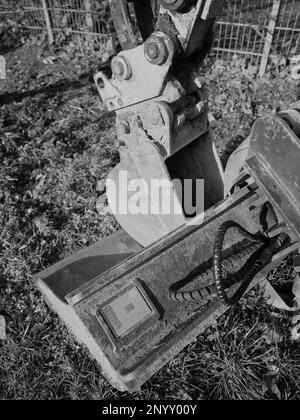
{"x": 138, "y": 297}
{"x": 134, "y": 20}
{"x": 162, "y": 125}
{"x": 175, "y": 5}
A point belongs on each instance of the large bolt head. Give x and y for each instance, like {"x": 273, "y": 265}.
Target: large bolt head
{"x": 152, "y": 51}
{"x": 156, "y": 50}
{"x": 118, "y": 68}
{"x": 121, "y": 68}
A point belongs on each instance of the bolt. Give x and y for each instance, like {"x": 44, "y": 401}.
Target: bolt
{"x": 152, "y": 51}
{"x": 121, "y": 68}
{"x": 156, "y": 50}
{"x": 118, "y": 68}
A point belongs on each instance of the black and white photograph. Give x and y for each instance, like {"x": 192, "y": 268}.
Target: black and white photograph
{"x": 149, "y": 203}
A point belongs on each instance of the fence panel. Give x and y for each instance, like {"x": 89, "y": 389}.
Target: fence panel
{"x": 286, "y": 40}
{"x": 34, "y": 16}
{"x": 86, "y": 21}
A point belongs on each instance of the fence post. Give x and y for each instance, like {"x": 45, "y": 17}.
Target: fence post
{"x": 270, "y": 36}
{"x": 88, "y": 15}
{"x": 48, "y": 22}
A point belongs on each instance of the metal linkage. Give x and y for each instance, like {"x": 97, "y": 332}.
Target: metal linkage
{"x": 176, "y": 36}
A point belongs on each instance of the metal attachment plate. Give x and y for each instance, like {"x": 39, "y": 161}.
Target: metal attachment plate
{"x": 127, "y": 311}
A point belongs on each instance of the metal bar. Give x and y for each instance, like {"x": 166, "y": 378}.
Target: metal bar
{"x": 35, "y": 28}
{"x": 88, "y": 15}
{"x": 262, "y": 36}
{"x": 84, "y": 33}
{"x": 236, "y": 46}
{"x": 225, "y": 36}
{"x": 237, "y": 51}
{"x": 250, "y": 29}
{"x": 255, "y": 35}
{"x": 287, "y": 29}
{"x": 269, "y": 37}
{"x": 288, "y": 21}
{"x": 244, "y": 28}
{"x": 219, "y": 40}
{"x": 294, "y": 30}
{"x": 48, "y": 22}
{"x": 232, "y": 27}
{"x": 239, "y": 24}
{"x": 280, "y": 23}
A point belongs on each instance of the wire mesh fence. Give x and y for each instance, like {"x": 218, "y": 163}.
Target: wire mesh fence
{"x": 256, "y": 29}
{"x": 259, "y": 29}
{"x": 287, "y": 32}
{"x": 242, "y": 29}
{"x": 85, "y": 21}
{"x": 89, "y": 19}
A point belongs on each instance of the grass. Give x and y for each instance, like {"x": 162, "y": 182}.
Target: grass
{"x": 56, "y": 143}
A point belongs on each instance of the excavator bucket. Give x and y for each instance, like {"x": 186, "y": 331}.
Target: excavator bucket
{"x": 123, "y": 301}
{"x": 138, "y": 297}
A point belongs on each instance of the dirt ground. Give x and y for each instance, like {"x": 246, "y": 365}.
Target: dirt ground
{"x": 57, "y": 141}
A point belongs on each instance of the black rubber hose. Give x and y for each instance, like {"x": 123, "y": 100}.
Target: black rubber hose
{"x": 270, "y": 248}
{"x": 209, "y": 289}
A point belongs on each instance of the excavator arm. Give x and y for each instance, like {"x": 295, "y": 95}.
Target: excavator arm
{"x": 158, "y": 92}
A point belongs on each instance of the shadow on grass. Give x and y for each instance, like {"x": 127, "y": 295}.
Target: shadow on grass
{"x": 62, "y": 86}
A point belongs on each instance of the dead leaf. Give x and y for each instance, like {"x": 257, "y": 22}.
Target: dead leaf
{"x": 295, "y": 333}
{"x": 271, "y": 334}
{"x": 213, "y": 336}
{"x": 49, "y": 60}
{"x": 101, "y": 186}
{"x": 211, "y": 118}
{"x": 42, "y": 224}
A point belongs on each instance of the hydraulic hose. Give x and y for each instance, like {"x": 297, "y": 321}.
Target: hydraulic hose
{"x": 271, "y": 246}
{"x": 209, "y": 289}
{"x": 258, "y": 253}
